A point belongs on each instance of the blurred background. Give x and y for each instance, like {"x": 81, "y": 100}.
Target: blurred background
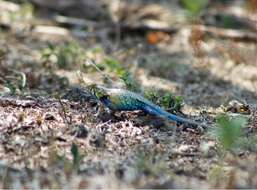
{"x": 193, "y": 57}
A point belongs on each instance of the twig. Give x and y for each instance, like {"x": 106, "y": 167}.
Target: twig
{"x": 64, "y": 115}
{"x": 228, "y": 33}
{"x": 141, "y": 28}
{"x": 53, "y": 30}
{"x": 91, "y": 62}
{"x": 60, "y": 31}
{"x": 7, "y": 101}
{"x": 22, "y": 75}
{"x": 74, "y": 21}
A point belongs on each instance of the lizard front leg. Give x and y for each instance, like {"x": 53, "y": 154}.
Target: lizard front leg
{"x": 104, "y": 112}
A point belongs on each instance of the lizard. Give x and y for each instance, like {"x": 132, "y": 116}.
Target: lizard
{"x": 124, "y": 100}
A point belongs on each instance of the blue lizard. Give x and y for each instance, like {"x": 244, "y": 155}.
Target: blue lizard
{"x": 124, "y": 100}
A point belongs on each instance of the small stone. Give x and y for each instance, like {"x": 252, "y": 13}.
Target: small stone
{"x": 49, "y": 117}
{"x": 235, "y": 106}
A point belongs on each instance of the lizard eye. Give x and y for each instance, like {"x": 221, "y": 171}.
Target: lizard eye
{"x": 105, "y": 99}
{"x": 98, "y": 92}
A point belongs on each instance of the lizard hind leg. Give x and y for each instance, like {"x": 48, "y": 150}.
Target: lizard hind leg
{"x": 105, "y": 114}
{"x": 101, "y": 109}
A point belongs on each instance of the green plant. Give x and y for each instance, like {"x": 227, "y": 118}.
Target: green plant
{"x": 171, "y": 102}
{"x": 167, "y": 101}
{"x": 64, "y": 56}
{"x": 152, "y": 95}
{"x": 113, "y": 65}
{"x": 76, "y": 156}
{"x": 194, "y": 7}
{"x": 130, "y": 83}
{"x": 228, "y": 131}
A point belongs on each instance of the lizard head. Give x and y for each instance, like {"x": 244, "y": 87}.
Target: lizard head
{"x": 99, "y": 92}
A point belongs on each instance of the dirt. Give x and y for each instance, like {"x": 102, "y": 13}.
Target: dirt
{"x": 128, "y": 149}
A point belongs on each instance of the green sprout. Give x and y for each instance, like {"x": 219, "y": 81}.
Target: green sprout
{"x": 194, "y": 7}
{"x": 114, "y": 66}
{"x": 64, "y": 56}
{"x": 171, "y": 102}
{"x": 168, "y": 101}
{"x": 228, "y": 131}
{"x": 130, "y": 83}
{"x": 76, "y": 156}
{"x": 151, "y": 95}
{"x": 121, "y": 72}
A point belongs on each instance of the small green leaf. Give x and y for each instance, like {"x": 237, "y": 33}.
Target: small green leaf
{"x": 75, "y": 155}
{"x": 228, "y": 130}
{"x": 130, "y": 83}
{"x": 194, "y": 7}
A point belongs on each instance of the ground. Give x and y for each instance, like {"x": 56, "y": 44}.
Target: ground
{"x": 49, "y": 141}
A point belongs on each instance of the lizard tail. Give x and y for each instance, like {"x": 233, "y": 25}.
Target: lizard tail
{"x": 158, "y": 111}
